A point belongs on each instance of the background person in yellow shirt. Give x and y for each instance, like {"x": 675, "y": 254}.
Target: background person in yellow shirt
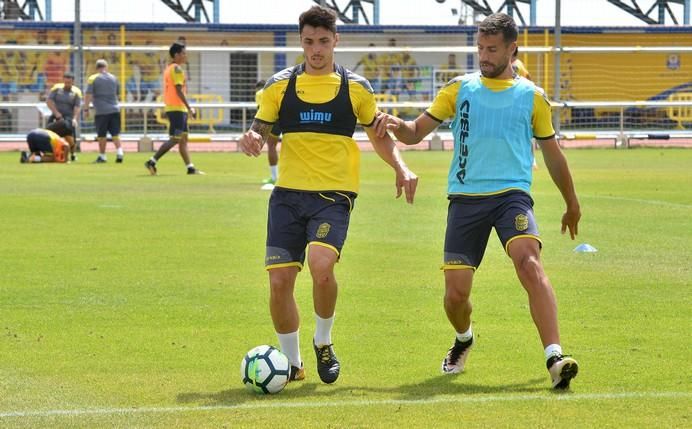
{"x": 150, "y": 70}
{"x": 371, "y": 69}
{"x": 391, "y": 66}
{"x": 519, "y": 67}
{"x": 520, "y": 70}
{"x": 8, "y": 71}
{"x": 177, "y": 109}
{"x": 317, "y": 105}
{"x": 448, "y": 71}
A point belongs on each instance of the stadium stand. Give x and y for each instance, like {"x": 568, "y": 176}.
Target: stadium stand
{"x": 598, "y": 65}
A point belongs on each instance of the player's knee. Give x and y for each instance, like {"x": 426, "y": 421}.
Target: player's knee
{"x": 322, "y": 272}
{"x": 281, "y": 284}
{"x": 456, "y": 296}
{"x": 322, "y": 266}
{"x": 529, "y": 268}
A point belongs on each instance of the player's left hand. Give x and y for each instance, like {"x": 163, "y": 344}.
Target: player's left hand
{"x": 407, "y": 181}
{"x": 193, "y": 112}
{"x": 570, "y": 220}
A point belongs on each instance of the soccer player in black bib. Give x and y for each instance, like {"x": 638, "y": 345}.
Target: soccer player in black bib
{"x": 317, "y": 104}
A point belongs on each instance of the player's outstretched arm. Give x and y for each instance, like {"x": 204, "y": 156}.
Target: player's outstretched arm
{"x": 252, "y": 141}
{"x": 559, "y": 172}
{"x": 406, "y": 180}
{"x": 407, "y": 132}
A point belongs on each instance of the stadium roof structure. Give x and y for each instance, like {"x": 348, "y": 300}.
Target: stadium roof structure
{"x": 197, "y": 6}
{"x": 354, "y": 12}
{"x": 662, "y": 6}
{"x": 29, "y": 11}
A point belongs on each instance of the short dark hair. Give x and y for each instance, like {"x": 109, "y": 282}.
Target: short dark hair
{"x": 60, "y": 127}
{"x": 500, "y": 23}
{"x": 318, "y": 16}
{"x": 260, "y": 84}
{"x": 176, "y": 48}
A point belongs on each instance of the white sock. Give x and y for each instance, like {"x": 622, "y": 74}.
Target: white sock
{"x": 120, "y": 151}
{"x": 553, "y": 350}
{"x": 323, "y": 331}
{"x": 37, "y": 158}
{"x": 102, "y": 156}
{"x": 290, "y": 346}
{"x": 465, "y": 336}
{"x": 191, "y": 165}
{"x": 153, "y": 160}
{"x": 274, "y": 172}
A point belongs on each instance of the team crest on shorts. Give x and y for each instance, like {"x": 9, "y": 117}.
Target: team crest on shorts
{"x": 323, "y": 230}
{"x": 521, "y": 222}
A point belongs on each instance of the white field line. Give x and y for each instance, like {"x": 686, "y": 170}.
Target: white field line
{"x": 257, "y": 405}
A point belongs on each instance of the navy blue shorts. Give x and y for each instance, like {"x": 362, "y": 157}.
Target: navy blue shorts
{"x": 177, "y": 123}
{"x": 108, "y": 123}
{"x": 298, "y": 218}
{"x": 39, "y": 142}
{"x": 470, "y": 219}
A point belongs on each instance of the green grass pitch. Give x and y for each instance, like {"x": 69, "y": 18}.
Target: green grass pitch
{"x": 129, "y": 301}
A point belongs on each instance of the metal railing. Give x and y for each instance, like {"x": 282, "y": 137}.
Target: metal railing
{"x": 622, "y": 133}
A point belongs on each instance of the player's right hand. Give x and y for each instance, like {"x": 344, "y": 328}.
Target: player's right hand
{"x": 251, "y": 143}
{"x": 385, "y": 122}
{"x": 570, "y": 221}
{"x": 193, "y": 112}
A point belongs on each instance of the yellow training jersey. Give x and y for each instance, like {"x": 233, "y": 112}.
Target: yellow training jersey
{"x": 444, "y": 105}
{"x": 312, "y": 161}
{"x": 172, "y": 76}
{"x": 258, "y": 97}
{"x": 520, "y": 69}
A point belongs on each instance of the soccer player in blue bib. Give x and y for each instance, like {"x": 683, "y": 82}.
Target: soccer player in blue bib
{"x": 495, "y": 114}
{"x": 317, "y": 105}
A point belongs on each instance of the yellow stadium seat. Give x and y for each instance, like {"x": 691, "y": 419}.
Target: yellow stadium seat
{"x": 205, "y": 116}
{"x": 680, "y": 114}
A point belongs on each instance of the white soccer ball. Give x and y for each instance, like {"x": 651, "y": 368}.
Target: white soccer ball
{"x": 265, "y": 369}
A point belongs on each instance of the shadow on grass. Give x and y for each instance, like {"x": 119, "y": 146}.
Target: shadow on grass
{"x": 442, "y": 385}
